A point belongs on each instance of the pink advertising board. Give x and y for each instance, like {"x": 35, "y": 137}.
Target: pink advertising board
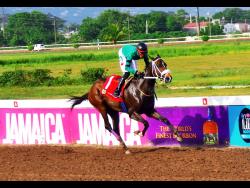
{"x": 62, "y": 126}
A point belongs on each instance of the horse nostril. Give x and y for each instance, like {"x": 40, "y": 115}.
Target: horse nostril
{"x": 168, "y": 78}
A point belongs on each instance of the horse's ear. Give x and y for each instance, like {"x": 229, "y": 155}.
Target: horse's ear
{"x": 158, "y": 56}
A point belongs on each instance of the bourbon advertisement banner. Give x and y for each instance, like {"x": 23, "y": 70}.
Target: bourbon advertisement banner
{"x": 191, "y": 122}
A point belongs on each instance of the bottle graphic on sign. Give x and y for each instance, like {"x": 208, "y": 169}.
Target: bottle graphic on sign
{"x": 210, "y": 130}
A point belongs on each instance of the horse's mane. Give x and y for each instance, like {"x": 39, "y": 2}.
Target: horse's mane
{"x": 152, "y": 59}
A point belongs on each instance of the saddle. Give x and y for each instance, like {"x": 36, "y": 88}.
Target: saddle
{"x": 110, "y": 86}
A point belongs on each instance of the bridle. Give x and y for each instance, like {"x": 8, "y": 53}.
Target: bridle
{"x": 157, "y": 73}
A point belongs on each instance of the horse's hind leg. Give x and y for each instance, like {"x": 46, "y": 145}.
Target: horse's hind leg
{"x": 139, "y": 118}
{"x": 116, "y": 132}
{"x": 158, "y": 116}
{"x": 109, "y": 128}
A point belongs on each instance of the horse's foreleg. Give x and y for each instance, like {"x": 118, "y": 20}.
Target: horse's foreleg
{"x": 158, "y": 116}
{"x": 139, "y": 118}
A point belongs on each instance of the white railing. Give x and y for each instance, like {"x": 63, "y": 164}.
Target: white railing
{"x": 166, "y": 40}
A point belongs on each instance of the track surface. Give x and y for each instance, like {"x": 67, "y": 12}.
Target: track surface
{"x": 78, "y": 162}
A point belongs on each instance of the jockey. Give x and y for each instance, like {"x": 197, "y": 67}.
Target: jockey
{"x": 128, "y": 56}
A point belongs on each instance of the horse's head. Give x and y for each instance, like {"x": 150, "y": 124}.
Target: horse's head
{"x": 160, "y": 70}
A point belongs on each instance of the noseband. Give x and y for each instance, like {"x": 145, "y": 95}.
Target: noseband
{"x": 157, "y": 72}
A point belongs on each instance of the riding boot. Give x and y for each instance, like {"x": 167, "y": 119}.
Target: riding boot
{"x": 118, "y": 89}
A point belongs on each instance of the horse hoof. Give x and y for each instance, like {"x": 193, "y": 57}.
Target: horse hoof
{"x": 127, "y": 152}
{"x": 139, "y": 133}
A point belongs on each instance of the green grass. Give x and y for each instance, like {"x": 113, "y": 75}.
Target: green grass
{"x": 203, "y": 64}
{"x": 42, "y": 92}
{"x": 67, "y": 91}
{"x": 202, "y": 92}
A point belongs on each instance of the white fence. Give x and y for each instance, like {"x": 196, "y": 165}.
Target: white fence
{"x": 186, "y": 39}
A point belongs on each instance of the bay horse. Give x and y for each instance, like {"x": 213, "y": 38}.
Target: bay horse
{"x": 139, "y": 98}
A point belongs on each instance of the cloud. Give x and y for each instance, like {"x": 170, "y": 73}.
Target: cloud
{"x": 76, "y": 14}
{"x": 64, "y": 13}
{"x": 17, "y": 9}
{"x": 20, "y": 9}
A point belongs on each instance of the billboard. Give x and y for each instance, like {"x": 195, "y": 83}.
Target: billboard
{"x": 86, "y": 126}
{"x": 239, "y": 125}
{"x": 189, "y": 121}
{"x": 62, "y": 126}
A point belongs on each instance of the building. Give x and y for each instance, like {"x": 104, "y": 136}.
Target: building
{"x": 229, "y": 28}
{"x": 234, "y": 27}
{"x": 241, "y": 27}
{"x": 68, "y": 35}
{"x": 193, "y": 27}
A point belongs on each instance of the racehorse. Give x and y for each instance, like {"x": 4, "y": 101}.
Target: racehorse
{"x": 139, "y": 98}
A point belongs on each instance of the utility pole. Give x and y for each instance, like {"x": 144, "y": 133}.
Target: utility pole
{"x": 209, "y": 24}
{"x": 146, "y": 26}
{"x": 197, "y": 20}
{"x": 3, "y": 21}
{"x": 128, "y": 30}
{"x": 197, "y": 28}
{"x": 55, "y": 28}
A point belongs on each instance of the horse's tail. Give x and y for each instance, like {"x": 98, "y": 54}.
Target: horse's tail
{"x": 77, "y": 100}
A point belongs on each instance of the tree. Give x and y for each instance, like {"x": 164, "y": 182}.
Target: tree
{"x": 234, "y": 14}
{"x": 112, "y": 16}
{"x": 92, "y": 28}
{"x": 173, "y": 23}
{"x": 157, "y": 21}
{"x": 2, "y": 40}
{"x": 75, "y": 38}
{"x": 25, "y": 28}
{"x": 56, "y": 20}
{"x": 139, "y": 23}
{"x": 89, "y": 29}
{"x": 113, "y": 33}
{"x": 216, "y": 29}
{"x": 182, "y": 17}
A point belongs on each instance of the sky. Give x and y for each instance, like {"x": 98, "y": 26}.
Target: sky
{"x": 77, "y": 14}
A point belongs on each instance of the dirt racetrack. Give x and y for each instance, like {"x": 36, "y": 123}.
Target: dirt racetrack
{"x": 84, "y": 163}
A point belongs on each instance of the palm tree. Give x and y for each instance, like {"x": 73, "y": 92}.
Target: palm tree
{"x": 113, "y": 32}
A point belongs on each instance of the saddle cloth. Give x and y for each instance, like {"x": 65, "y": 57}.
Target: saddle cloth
{"x": 110, "y": 86}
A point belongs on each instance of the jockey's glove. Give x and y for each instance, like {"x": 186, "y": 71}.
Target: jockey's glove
{"x": 139, "y": 75}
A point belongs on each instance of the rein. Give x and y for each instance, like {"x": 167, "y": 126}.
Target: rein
{"x": 145, "y": 93}
{"x": 154, "y": 68}
{"x": 155, "y": 71}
